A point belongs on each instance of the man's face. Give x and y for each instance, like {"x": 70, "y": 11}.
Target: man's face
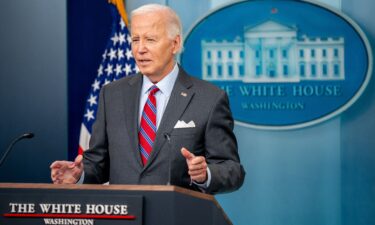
{"x": 152, "y": 48}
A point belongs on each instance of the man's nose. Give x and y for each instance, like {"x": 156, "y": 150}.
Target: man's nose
{"x": 142, "y": 48}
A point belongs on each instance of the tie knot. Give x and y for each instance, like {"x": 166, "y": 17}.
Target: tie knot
{"x": 153, "y": 89}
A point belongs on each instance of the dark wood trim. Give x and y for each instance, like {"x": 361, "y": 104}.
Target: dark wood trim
{"x": 110, "y": 187}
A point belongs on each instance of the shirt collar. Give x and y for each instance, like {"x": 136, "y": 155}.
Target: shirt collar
{"x": 165, "y": 85}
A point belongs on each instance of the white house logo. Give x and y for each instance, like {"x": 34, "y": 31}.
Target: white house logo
{"x": 284, "y": 64}
{"x": 283, "y": 58}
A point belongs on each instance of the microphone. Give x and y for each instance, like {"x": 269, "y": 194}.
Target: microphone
{"x": 168, "y": 137}
{"x": 23, "y": 136}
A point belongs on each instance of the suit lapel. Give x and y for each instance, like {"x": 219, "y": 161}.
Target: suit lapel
{"x": 178, "y": 101}
{"x": 132, "y": 112}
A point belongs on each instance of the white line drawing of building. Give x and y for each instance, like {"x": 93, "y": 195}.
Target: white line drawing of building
{"x": 273, "y": 52}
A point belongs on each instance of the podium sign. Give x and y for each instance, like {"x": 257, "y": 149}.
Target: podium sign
{"x": 42, "y": 204}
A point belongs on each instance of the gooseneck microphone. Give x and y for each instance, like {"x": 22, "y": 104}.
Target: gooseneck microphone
{"x": 23, "y": 136}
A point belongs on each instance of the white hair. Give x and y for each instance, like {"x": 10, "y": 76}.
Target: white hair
{"x": 174, "y": 26}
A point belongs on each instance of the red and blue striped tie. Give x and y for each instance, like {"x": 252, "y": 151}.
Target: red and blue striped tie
{"x": 147, "y": 131}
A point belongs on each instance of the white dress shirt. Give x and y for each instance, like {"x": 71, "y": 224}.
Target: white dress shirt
{"x": 162, "y": 96}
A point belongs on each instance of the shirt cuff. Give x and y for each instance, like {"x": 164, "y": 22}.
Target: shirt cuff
{"x": 206, "y": 184}
{"x": 80, "y": 181}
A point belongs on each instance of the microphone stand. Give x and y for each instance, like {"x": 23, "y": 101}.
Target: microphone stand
{"x": 23, "y": 136}
{"x": 168, "y": 137}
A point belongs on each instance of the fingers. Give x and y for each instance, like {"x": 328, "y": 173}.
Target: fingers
{"x": 201, "y": 178}
{"x": 55, "y": 169}
{"x": 197, "y": 166}
{"x": 66, "y": 172}
{"x": 78, "y": 159}
{"x": 197, "y": 163}
{"x": 56, "y": 173}
{"x": 57, "y": 164}
{"x": 198, "y": 169}
{"x": 188, "y": 155}
{"x": 77, "y": 162}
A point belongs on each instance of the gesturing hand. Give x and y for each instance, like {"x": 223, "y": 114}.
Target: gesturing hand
{"x": 197, "y": 166}
{"x": 66, "y": 172}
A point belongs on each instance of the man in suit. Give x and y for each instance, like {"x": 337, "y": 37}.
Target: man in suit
{"x": 160, "y": 126}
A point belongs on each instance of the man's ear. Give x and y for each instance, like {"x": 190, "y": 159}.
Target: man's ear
{"x": 177, "y": 44}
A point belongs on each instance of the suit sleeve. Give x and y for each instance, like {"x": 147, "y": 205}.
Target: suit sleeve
{"x": 96, "y": 158}
{"x": 227, "y": 173}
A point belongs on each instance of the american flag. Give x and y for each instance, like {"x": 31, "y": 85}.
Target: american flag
{"x": 117, "y": 62}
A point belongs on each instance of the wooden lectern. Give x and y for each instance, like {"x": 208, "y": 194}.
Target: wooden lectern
{"x": 107, "y": 204}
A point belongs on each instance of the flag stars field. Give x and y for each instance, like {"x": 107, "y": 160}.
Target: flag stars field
{"x": 96, "y": 85}
{"x": 117, "y": 62}
{"x": 118, "y": 69}
{"x": 104, "y": 56}
{"x": 114, "y": 39}
{"x": 129, "y": 54}
{"x": 100, "y": 70}
{"x": 109, "y": 69}
{"x": 89, "y": 115}
{"x": 121, "y": 38}
{"x": 127, "y": 69}
{"x": 120, "y": 54}
{"x": 112, "y": 54}
{"x": 92, "y": 100}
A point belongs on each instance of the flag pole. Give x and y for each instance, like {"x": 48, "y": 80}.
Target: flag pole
{"x": 121, "y": 8}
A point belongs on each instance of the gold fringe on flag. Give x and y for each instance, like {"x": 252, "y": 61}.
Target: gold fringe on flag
{"x": 121, "y": 8}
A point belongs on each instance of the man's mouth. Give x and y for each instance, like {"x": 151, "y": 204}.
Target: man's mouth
{"x": 143, "y": 62}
